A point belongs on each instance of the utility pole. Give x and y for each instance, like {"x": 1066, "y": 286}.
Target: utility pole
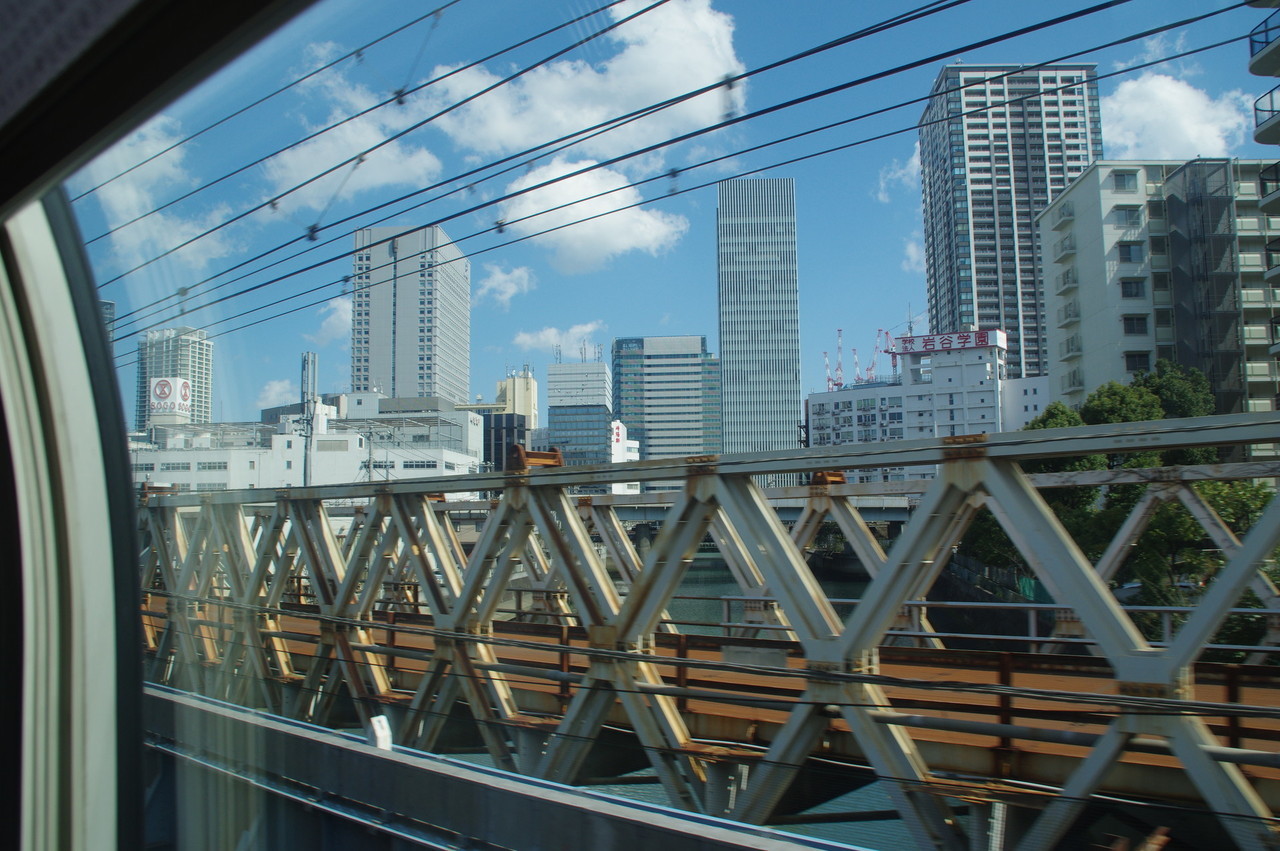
{"x": 307, "y": 422}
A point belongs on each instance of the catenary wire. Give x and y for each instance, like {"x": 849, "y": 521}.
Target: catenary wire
{"x": 737, "y": 119}
{"x": 395, "y": 98}
{"x": 563, "y": 142}
{"x": 434, "y": 13}
{"x": 651, "y": 179}
{"x": 642, "y": 202}
{"x": 647, "y": 149}
{"x": 393, "y": 137}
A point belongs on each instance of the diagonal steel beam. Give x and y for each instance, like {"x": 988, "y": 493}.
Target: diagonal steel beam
{"x": 1056, "y": 819}
{"x": 777, "y": 557}
{"x": 1056, "y": 559}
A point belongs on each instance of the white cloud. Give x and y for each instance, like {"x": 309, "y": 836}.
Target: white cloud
{"x": 569, "y": 340}
{"x": 913, "y": 254}
{"x": 145, "y": 188}
{"x": 589, "y": 245}
{"x": 335, "y": 322}
{"x": 399, "y": 163}
{"x": 898, "y": 173}
{"x": 504, "y": 284}
{"x": 1160, "y": 117}
{"x": 1157, "y": 48}
{"x": 673, "y": 49}
{"x": 280, "y": 391}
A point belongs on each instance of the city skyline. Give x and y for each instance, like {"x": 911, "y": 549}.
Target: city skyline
{"x": 647, "y": 271}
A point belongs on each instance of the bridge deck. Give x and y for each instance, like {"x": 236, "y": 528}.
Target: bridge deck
{"x": 747, "y": 708}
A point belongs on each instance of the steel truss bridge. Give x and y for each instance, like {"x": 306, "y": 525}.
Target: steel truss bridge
{"x": 261, "y": 601}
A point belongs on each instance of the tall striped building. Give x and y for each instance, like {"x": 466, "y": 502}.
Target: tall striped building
{"x": 759, "y": 314}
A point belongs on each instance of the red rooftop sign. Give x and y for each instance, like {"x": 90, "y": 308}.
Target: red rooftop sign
{"x": 947, "y": 342}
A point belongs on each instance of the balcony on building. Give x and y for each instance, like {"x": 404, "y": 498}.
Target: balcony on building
{"x": 1064, "y": 246}
{"x": 1264, "y": 47}
{"x": 1069, "y": 313}
{"x": 1272, "y": 258}
{"x": 1261, "y": 297}
{"x": 1070, "y": 348}
{"x": 1262, "y": 371}
{"x": 1266, "y": 118}
{"x": 1072, "y": 382}
{"x": 1064, "y": 215}
{"x": 1269, "y": 189}
{"x": 1067, "y": 280}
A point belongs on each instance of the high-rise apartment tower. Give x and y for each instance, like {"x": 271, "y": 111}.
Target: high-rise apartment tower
{"x": 410, "y": 315}
{"x": 997, "y": 143}
{"x": 759, "y": 314}
{"x": 181, "y": 353}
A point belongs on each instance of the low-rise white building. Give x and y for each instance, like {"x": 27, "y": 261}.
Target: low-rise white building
{"x": 399, "y": 444}
{"x": 944, "y": 385}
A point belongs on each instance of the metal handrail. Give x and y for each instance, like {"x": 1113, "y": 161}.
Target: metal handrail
{"x": 1264, "y": 33}
{"x": 1269, "y": 180}
{"x": 1272, "y": 252}
{"x": 1266, "y": 107}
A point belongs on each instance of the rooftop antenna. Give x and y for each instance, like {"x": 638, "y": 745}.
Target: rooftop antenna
{"x": 582, "y": 350}
{"x": 555, "y": 352}
{"x": 826, "y": 362}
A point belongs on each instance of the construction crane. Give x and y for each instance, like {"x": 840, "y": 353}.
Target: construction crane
{"x": 839, "y": 358}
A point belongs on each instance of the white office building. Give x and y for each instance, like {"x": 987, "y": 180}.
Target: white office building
{"x": 168, "y": 359}
{"x": 410, "y": 315}
{"x": 1163, "y": 259}
{"x": 759, "y": 315}
{"x": 997, "y": 143}
{"x": 946, "y": 385}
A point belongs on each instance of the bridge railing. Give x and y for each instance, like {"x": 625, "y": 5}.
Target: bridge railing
{"x": 283, "y": 602}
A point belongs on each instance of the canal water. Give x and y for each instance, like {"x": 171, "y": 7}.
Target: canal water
{"x": 700, "y": 608}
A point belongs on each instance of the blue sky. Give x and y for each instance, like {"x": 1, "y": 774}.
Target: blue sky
{"x": 646, "y": 271}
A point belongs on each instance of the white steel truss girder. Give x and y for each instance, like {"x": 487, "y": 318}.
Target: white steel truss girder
{"x": 909, "y": 563}
{"x": 573, "y": 556}
{"x": 226, "y": 582}
{"x": 664, "y": 567}
{"x": 1057, "y": 561}
{"x": 778, "y": 558}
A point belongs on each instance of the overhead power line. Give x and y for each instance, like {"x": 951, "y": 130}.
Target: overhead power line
{"x": 1115, "y": 42}
{"x": 387, "y": 141}
{"x": 704, "y": 185}
{"x": 564, "y": 142}
{"x": 734, "y": 120}
{"x": 434, "y": 13}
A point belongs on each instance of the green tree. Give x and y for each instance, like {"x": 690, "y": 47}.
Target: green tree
{"x": 1119, "y": 403}
{"x": 1183, "y": 392}
{"x": 1064, "y": 501}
